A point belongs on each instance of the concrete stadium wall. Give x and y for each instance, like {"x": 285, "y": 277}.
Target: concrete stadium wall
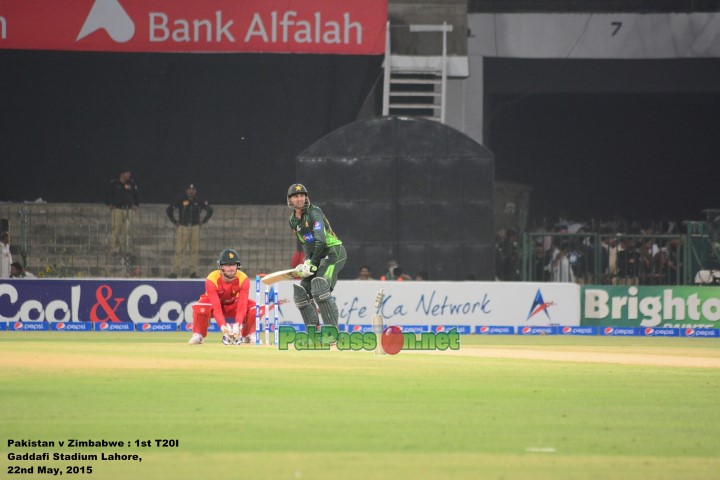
{"x": 72, "y": 240}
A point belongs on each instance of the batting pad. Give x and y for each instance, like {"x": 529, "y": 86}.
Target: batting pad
{"x": 306, "y": 307}
{"x": 328, "y": 309}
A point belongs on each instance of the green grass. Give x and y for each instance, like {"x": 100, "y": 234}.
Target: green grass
{"x": 256, "y": 412}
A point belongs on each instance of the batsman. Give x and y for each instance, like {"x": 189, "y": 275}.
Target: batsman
{"x": 325, "y": 257}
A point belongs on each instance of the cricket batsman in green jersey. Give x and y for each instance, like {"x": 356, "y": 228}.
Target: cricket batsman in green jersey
{"x": 325, "y": 256}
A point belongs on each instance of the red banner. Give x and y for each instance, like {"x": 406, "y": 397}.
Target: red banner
{"x": 350, "y": 27}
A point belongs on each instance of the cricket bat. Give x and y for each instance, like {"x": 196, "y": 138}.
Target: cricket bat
{"x": 280, "y": 276}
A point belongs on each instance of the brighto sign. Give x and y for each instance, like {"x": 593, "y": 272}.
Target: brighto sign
{"x": 651, "y": 310}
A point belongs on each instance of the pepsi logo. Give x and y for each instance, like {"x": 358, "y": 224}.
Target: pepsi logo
{"x": 357, "y": 328}
{"x": 440, "y": 328}
{"x": 18, "y": 325}
{"x": 146, "y": 327}
{"x": 608, "y": 330}
{"x": 103, "y": 326}
{"x": 566, "y": 330}
{"x": 188, "y": 327}
{"x": 649, "y": 331}
{"x": 60, "y": 326}
{"x": 484, "y": 329}
{"x": 689, "y": 332}
{"x": 526, "y": 330}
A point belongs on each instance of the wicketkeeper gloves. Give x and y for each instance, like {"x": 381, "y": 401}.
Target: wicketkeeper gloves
{"x": 231, "y": 334}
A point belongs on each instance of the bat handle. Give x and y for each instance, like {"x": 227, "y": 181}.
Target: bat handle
{"x": 378, "y": 299}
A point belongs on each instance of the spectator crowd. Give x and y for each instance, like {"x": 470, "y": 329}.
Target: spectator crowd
{"x": 613, "y": 253}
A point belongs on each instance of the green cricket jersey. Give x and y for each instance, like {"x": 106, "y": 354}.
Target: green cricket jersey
{"x": 314, "y": 231}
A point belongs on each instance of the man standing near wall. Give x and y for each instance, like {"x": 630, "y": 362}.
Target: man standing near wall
{"x": 188, "y": 228}
{"x": 5, "y": 256}
{"x": 122, "y": 200}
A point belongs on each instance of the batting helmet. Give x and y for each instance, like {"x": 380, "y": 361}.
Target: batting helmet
{"x": 228, "y": 257}
{"x": 296, "y": 188}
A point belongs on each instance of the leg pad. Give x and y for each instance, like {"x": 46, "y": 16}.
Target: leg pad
{"x": 307, "y": 308}
{"x": 201, "y": 318}
{"x": 322, "y": 294}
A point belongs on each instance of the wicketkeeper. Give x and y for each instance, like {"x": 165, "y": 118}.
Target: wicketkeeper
{"x": 226, "y": 295}
{"x": 325, "y": 256}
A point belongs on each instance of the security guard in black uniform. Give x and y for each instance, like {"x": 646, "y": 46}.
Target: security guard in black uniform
{"x": 188, "y": 228}
{"x": 122, "y": 200}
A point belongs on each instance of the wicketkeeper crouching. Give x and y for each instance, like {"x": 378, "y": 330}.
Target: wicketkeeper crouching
{"x": 226, "y": 296}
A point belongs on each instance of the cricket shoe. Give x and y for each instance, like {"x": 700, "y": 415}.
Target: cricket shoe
{"x": 196, "y": 339}
{"x": 247, "y": 339}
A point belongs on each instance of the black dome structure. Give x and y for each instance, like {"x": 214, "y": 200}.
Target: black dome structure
{"x": 406, "y": 189}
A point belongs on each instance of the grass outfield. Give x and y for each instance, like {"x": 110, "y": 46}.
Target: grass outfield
{"x": 503, "y": 407}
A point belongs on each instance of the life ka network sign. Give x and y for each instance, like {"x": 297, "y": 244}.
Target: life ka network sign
{"x": 457, "y": 303}
{"x": 272, "y": 26}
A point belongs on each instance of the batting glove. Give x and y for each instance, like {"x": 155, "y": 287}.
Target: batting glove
{"x": 307, "y": 269}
